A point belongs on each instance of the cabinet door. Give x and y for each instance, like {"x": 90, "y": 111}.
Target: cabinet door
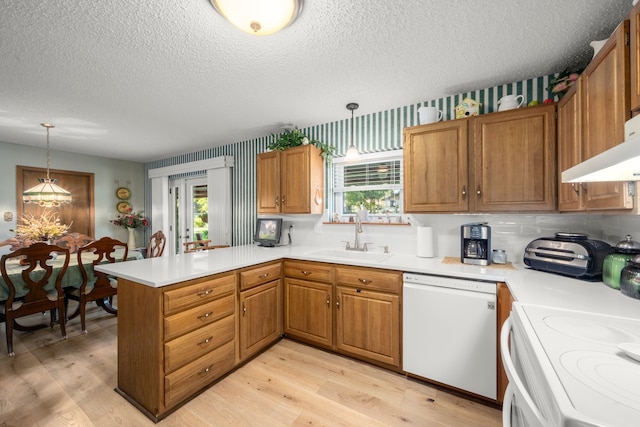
{"x": 605, "y": 109}
{"x": 570, "y": 196}
{"x": 368, "y": 324}
{"x": 308, "y": 311}
{"x": 634, "y": 51}
{"x": 260, "y": 317}
{"x": 294, "y": 166}
{"x": 268, "y": 182}
{"x": 513, "y": 154}
{"x": 436, "y": 167}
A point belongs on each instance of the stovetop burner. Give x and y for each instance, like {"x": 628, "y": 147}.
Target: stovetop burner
{"x": 600, "y": 380}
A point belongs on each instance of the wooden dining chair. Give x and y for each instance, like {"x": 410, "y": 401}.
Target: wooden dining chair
{"x": 73, "y": 241}
{"x": 156, "y": 244}
{"x": 96, "y": 286}
{"x": 33, "y": 292}
{"x": 201, "y": 245}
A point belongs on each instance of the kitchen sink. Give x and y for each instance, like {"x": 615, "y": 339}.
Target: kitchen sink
{"x": 343, "y": 254}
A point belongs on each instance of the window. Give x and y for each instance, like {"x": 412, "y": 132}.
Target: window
{"x": 373, "y": 183}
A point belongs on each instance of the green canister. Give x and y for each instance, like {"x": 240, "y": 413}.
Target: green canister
{"x": 616, "y": 261}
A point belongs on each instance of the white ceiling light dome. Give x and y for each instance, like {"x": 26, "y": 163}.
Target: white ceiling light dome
{"x": 259, "y": 17}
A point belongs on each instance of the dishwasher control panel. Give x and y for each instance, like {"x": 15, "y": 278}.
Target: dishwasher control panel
{"x": 450, "y": 282}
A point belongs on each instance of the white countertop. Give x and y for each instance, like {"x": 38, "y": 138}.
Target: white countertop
{"x": 527, "y": 286}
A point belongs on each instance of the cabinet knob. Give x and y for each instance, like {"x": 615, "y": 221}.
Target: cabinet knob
{"x": 205, "y": 316}
{"x": 478, "y": 192}
{"x": 204, "y": 293}
{"x": 263, "y": 276}
{"x": 328, "y": 300}
{"x": 206, "y": 341}
{"x": 283, "y": 200}
{"x": 244, "y": 309}
{"x": 464, "y": 191}
{"x": 277, "y": 200}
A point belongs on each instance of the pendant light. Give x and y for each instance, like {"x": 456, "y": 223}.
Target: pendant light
{"x": 47, "y": 193}
{"x": 259, "y": 17}
{"x": 352, "y": 152}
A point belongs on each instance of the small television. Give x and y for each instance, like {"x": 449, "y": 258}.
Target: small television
{"x": 268, "y": 231}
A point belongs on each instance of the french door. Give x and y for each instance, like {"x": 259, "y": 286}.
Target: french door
{"x": 190, "y": 217}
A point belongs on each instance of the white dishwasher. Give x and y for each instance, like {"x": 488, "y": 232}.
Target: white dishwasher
{"x": 449, "y": 332}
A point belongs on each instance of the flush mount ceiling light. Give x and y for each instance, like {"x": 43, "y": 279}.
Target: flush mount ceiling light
{"x": 259, "y": 17}
{"x": 352, "y": 152}
{"x": 47, "y": 193}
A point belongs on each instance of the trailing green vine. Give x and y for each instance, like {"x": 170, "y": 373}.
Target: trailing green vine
{"x": 294, "y": 138}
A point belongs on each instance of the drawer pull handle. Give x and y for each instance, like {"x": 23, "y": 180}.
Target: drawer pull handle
{"x": 364, "y": 281}
{"x": 205, "y": 293}
{"x": 207, "y": 341}
{"x": 305, "y": 272}
{"x": 206, "y": 315}
{"x": 205, "y": 370}
{"x": 263, "y": 276}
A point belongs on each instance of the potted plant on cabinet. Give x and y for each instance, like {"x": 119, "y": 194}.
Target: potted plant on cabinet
{"x": 294, "y": 138}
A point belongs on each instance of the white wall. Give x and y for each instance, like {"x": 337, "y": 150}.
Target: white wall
{"x": 105, "y": 172}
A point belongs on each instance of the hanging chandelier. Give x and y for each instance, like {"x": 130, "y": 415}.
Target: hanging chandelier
{"x": 47, "y": 193}
{"x": 352, "y": 152}
{"x": 259, "y": 17}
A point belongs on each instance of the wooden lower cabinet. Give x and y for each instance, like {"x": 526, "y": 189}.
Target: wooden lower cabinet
{"x": 174, "y": 341}
{"x": 368, "y": 313}
{"x": 352, "y": 310}
{"x": 260, "y": 306}
{"x": 368, "y": 324}
{"x": 260, "y": 317}
{"x": 308, "y": 296}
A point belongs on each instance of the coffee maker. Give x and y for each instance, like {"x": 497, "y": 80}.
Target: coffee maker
{"x": 475, "y": 243}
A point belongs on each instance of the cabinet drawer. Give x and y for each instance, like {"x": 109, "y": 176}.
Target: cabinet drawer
{"x": 184, "y": 349}
{"x": 198, "y": 293}
{"x": 318, "y": 272}
{"x": 368, "y": 278}
{"x": 260, "y": 275}
{"x": 198, "y": 374}
{"x": 197, "y": 317}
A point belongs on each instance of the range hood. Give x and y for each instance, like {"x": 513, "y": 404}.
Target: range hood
{"x": 619, "y": 163}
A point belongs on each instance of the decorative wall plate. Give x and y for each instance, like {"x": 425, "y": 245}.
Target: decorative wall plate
{"x": 123, "y": 207}
{"x": 123, "y": 193}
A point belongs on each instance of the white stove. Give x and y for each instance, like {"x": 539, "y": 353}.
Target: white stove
{"x": 579, "y": 374}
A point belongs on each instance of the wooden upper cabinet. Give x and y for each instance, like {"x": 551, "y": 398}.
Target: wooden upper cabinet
{"x": 290, "y": 181}
{"x": 436, "y": 170}
{"x": 634, "y": 52}
{"x": 605, "y": 109}
{"x": 570, "y": 196}
{"x": 513, "y": 154}
{"x": 268, "y": 182}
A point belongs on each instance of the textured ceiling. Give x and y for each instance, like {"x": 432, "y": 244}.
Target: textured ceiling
{"x": 144, "y": 80}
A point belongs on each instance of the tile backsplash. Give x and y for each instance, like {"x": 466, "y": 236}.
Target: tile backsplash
{"x": 511, "y": 232}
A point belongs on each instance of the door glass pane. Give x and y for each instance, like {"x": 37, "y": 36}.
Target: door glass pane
{"x": 200, "y": 217}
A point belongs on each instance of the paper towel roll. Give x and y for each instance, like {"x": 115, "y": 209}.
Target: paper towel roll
{"x": 425, "y": 247}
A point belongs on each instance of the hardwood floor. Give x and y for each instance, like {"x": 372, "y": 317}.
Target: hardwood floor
{"x": 71, "y": 383}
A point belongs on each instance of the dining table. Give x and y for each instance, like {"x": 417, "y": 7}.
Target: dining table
{"x": 71, "y": 278}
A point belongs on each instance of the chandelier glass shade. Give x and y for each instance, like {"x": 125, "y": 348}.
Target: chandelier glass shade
{"x": 47, "y": 193}
{"x": 259, "y": 17}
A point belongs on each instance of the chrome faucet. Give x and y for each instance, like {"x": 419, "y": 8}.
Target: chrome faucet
{"x": 356, "y": 242}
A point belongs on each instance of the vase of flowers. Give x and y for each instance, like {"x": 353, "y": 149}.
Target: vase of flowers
{"x": 131, "y": 221}
{"x": 43, "y": 228}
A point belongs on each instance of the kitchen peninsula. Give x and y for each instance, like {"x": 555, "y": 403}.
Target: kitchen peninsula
{"x": 157, "y": 295}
